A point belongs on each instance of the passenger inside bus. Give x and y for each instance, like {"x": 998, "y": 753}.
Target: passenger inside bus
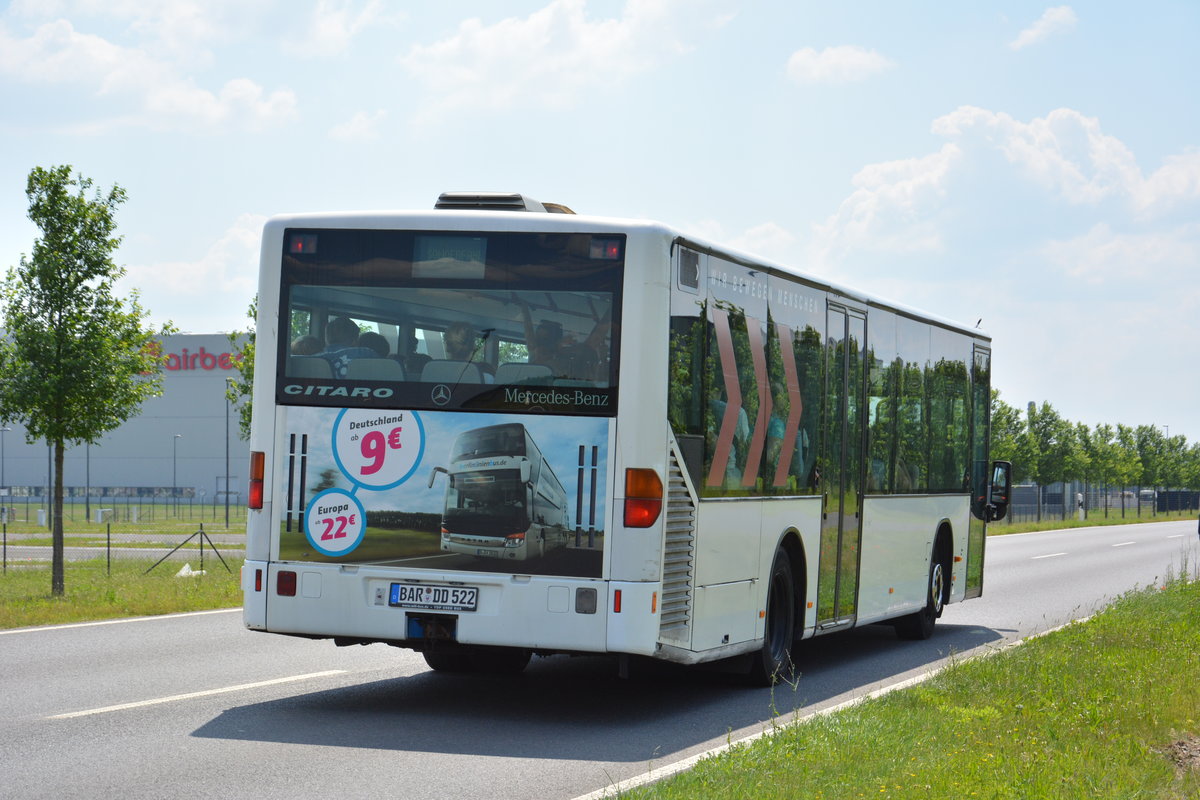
{"x": 566, "y": 357}
{"x": 463, "y": 344}
{"x": 341, "y": 338}
{"x": 376, "y": 342}
{"x": 306, "y": 346}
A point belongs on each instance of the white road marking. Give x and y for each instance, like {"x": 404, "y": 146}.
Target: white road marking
{"x": 1124, "y": 544}
{"x": 118, "y": 621}
{"x": 1048, "y": 555}
{"x": 192, "y": 695}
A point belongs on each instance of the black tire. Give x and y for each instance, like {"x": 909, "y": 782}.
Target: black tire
{"x": 500, "y": 660}
{"x": 482, "y": 660}
{"x": 919, "y": 625}
{"x": 773, "y": 663}
{"x": 448, "y": 660}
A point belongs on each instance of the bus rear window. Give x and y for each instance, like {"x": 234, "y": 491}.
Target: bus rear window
{"x": 488, "y": 321}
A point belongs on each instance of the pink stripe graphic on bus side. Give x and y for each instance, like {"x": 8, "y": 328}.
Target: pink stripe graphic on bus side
{"x": 733, "y": 394}
{"x": 795, "y": 403}
{"x": 759, "y": 355}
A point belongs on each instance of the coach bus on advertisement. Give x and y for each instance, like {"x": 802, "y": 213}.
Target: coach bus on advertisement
{"x": 503, "y": 499}
{"x": 483, "y": 435}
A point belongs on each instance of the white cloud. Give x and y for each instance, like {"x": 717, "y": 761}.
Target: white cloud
{"x": 362, "y": 127}
{"x": 1103, "y": 256}
{"x": 1069, "y": 154}
{"x": 550, "y": 56}
{"x": 57, "y": 53}
{"x": 843, "y": 64}
{"x": 1057, "y": 19}
{"x": 1175, "y": 182}
{"x": 1025, "y": 189}
{"x": 332, "y": 26}
{"x": 768, "y": 239}
{"x": 227, "y": 272}
{"x": 180, "y": 30}
{"x": 891, "y": 208}
{"x": 1064, "y": 151}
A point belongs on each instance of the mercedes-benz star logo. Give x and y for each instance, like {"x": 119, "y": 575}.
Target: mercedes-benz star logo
{"x": 440, "y": 394}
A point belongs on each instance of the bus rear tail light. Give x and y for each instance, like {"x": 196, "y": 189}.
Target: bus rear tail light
{"x": 285, "y": 583}
{"x": 643, "y": 497}
{"x": 257, "y": 461}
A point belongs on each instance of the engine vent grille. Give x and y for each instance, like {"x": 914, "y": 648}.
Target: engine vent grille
{"x": 678, "y": 557}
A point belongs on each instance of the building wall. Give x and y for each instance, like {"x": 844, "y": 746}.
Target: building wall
{"x": 144, "y": 451}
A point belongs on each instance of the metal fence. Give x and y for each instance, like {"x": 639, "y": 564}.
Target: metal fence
{"x": 1082, "y": 501}
{"x": 150, "y": 532}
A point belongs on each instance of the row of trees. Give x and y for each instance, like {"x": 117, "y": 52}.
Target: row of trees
{"x": 1045, "y": 447}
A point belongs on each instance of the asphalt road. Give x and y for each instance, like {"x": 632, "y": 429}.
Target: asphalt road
{"x": 196, "y": 706}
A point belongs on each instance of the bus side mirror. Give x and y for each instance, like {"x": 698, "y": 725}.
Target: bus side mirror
{"x": 1000, "y": 490}
{"x": 433, "y": 474}
{"x": 526, "y": 471}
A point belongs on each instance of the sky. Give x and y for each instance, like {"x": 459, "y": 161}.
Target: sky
{"x": 1033, "y": 166}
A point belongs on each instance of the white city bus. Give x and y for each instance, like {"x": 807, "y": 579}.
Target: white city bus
{"x": 742, "y": 456}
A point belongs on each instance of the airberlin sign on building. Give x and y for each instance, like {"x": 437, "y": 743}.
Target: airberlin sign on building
{"x": 200, "y": 359}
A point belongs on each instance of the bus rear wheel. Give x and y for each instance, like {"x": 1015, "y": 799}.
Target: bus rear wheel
{"x": 490, "y": 660}
{"x": 773, "y": 663}
{"x": 448, "y": 660}
{"x": 500, "y": 660}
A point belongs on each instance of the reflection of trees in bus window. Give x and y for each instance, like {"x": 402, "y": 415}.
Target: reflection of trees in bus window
{"x": 733, "y": 325}
{"x": 948, "y": 426}
{"x": 881, "y": 422}
{"x": 697, "y": 398}
{"x": 911, "y": 431}
{"x": 980, "y": 424}
{"x": 685, "y": 392}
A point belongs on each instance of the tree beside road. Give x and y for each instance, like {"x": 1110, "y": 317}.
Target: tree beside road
{"x": 77, "y": 360}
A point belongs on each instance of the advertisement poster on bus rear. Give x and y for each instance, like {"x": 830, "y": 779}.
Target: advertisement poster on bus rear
{"x": 508, "y": 493}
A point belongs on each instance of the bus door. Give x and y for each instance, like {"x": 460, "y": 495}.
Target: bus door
{"x": 842, "y": 466}
{"x": 981, "y": 473}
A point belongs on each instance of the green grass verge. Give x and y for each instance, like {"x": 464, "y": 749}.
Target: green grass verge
{"x": 92, "y": 594}
{"x": 1092, "y": 710}
{"x": 1095, "y": 519}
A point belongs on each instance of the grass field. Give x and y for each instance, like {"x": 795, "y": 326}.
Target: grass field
{"x": 93, "y": 594}
{"x": 1108, "y": 709}
{"x": 1094, "y": 519}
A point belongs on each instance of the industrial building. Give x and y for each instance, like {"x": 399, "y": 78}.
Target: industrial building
{"x": 184, "y": 444}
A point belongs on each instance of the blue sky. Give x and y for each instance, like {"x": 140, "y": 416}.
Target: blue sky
{"x": 1033, "y": 165}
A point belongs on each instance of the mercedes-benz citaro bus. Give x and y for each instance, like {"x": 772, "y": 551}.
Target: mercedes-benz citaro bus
{"x": 498, "y": 429}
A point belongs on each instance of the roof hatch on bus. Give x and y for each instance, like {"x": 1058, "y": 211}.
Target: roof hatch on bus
{"x": 496, "y": 201}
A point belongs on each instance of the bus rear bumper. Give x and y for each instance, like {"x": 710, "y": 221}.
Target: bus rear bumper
{"x": 543, "y": 613}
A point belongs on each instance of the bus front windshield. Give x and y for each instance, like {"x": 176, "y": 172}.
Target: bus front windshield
{"x": 487, "y": 503}
{"x": 489, "y": 321}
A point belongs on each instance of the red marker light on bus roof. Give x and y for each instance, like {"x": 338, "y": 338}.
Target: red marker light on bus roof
{"x": 603, "y": 249}
{"x": 302, "y": 243}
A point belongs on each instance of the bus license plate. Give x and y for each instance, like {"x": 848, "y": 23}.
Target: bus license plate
{"x": 434, "y": 597}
